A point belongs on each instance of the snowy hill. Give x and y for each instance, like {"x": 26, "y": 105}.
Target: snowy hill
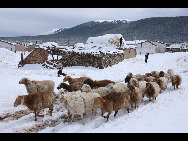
{"x": 163, "y": 29}
{"x": 167, "y": 114}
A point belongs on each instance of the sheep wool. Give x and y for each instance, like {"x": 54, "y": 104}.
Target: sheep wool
{"x": 37, "y": 86}
{"x": 152, "y": 90}
{"x": 79, "y": 103}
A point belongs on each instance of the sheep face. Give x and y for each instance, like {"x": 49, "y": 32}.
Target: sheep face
{"x": 111, "y": 88}
{"x": 89, "y": 82}
{"x": 98, "y": 102}
{"x": 161, "y": 73}
{"x": 67, "y": 78}
{"x": 62, "y": 85}
{"x": 86, "y": 88}
{"x": 127, "y": 79}
{"x": 19, "y": 100}
{"x": 23, "y": 81}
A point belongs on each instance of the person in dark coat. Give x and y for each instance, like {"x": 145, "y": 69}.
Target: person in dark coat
{"x": 146, "y": 57}
{"x": 59, "y": 67}
{"x": 120, "y": 41}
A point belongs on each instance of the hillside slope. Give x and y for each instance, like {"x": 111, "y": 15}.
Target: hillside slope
{"x": 164, "y": 29}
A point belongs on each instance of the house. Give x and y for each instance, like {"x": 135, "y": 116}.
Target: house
{"x": 160, "y": 46}
{"x": 144, "y": 46}
{"x": 174, "y": 48}
{"x": 13, "y": 46}
{"x": 7, "y": 45}
{"x": 20, "y": 46}
{"x": 184, "y": 47}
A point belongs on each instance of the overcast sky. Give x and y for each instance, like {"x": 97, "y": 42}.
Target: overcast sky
{"x": 34, "y": 21}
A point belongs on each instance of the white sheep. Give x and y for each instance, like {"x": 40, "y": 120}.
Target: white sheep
{"x": 37, "y": 86}
{"x": 169, "y": 74}
{"x": 162, "y": 82}
{"x": 103, "y": 91}
{"x": 140, "y": 84}
{"x": 79, "y": 103}
{"x": 118, "y": 87}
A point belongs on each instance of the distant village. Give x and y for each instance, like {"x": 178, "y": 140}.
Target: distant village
{"x": 106, "y": 48}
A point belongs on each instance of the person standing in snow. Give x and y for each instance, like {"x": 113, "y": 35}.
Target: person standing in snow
{"x": 59, "y": 67}
{"x": 146, "y": 57}
{"x": 120, "y": 41}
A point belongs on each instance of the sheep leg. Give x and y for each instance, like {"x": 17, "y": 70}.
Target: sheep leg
{"x": 35, "y": 115}
{"x": 72, "y": 119}
{"x": 115, "y": 113}
{"x": 108, "y": 116}
{"x": 177, "y": 86}
{"x": 51, "y": 109}
{"x": 94, "y": 113}
{"x": 82, "y": 117}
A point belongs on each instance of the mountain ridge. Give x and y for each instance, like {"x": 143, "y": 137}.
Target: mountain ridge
{"x": 164, "y": 29}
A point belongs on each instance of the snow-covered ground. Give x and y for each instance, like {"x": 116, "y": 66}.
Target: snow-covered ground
{"x": 167, "y": 114}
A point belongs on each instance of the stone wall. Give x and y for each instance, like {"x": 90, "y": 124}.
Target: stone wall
{"x": 37, "y": 56}
{"x": 100, "y": 61}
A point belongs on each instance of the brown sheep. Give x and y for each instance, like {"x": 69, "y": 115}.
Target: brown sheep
{"x": 135, "y": 96}
{"x": 94, "y": 84}
{"x": 73, "y": 80}
{"x": 70, "y": 88}
{"x": 152, "y": 90}
{"x": 176, "y": 81}
{"x": 37, "y": 101}
{"x": 112, "y": 102}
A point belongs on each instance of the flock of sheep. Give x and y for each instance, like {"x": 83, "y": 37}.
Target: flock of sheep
{"x": 84, "y": 95}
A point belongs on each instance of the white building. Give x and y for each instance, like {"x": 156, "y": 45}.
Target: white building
{"x": 160, "y": 46}
{"x": 184, "y": 46}
{"x": 144, "y": 46}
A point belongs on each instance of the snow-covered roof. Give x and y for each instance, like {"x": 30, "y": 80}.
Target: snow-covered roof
{"x": 135, "y": 42}
{"x": 175, "y": 46}
{"x": 107, "y": 40}
{"x": 48, "y": 44}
